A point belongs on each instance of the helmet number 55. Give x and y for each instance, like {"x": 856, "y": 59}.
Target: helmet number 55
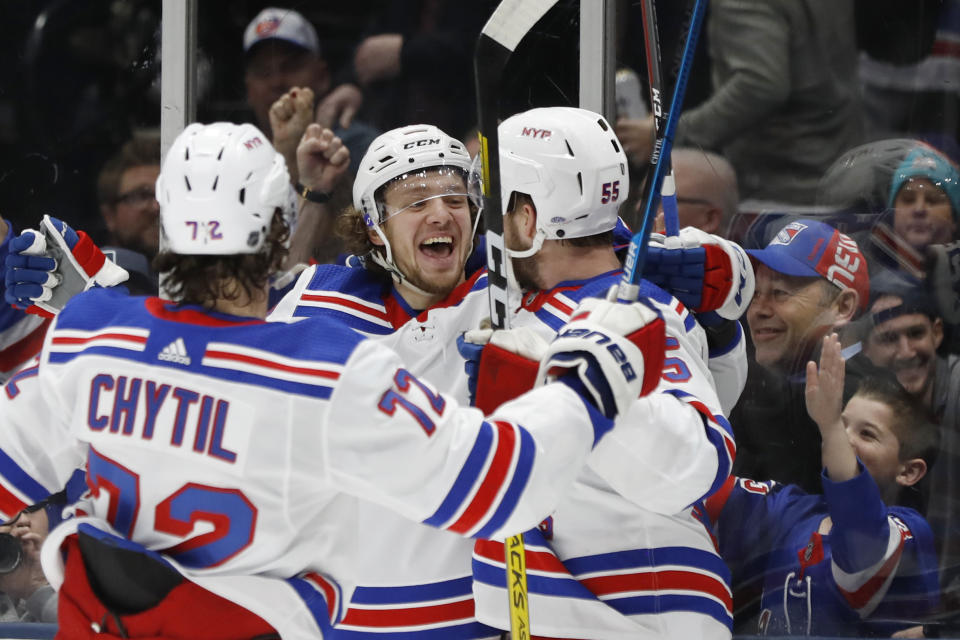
{"x": 610, "y": 192}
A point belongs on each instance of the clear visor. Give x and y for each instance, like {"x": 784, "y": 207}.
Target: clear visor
{"x": 414, "y": 191}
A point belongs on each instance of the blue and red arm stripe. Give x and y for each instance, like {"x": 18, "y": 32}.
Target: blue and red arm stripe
{"x": 15, "y": 476}
{"x": 466, "y": 479}
{"x": 522, "y": 465}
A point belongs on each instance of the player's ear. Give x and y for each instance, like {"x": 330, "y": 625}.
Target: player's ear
{"x": 528, "y": 220}
{"x": 374, "y": 238}
{"x": 911, "y": 472}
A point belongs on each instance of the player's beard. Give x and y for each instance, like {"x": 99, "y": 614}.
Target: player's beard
{"x": 527, "y": 272}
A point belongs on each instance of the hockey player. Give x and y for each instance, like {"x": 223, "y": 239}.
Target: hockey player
{"x": 224, "y": 454}
{"x": 843, "y": 563}
{"x": 626, "y": 554}
{"x": 413, "y": 223}
{"x": 416, "y": 294}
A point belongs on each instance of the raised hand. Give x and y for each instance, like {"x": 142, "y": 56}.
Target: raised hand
{"x": 824, "y": 396}
{"x": 824, "y": 390}
{"x": 322, "y": 159}
{"x": 289, "y": 117}
{"x": 339, "y": 106}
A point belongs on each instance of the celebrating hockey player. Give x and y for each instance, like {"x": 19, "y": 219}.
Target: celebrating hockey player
{"x": 224, "y": 454}
{"x": 412, "y": 578}
{"x": 626, "y": 554}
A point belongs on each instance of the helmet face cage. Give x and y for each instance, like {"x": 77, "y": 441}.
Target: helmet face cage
{"x": 218, "y": 189}
{"x": 406, "y": 151}
{"x": 572, "y": 166}
{"x": 411, "y": 191}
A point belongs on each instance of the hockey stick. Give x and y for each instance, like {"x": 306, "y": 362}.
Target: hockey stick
{"x": 510, "y": 21}
{"x": 659, "y": 160}
{"x": 651, "y": 41}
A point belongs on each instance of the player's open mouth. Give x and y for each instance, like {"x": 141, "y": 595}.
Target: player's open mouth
{"x": 438, "y": 247}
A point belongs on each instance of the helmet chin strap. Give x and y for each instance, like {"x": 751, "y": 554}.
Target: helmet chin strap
{"x": 534, "y": 247}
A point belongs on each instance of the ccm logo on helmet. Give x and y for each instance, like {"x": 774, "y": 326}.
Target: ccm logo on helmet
{"x": 253, "y": 143}
{"x": 422, "y": 143}
{"x": 618, "y": 355}
{"x": 532, "y": 132}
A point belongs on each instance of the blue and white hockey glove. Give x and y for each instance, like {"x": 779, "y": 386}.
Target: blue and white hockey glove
{"x": 615, "y": 350}
{"x": 46, "y": 268}
{"x": 501, "y": 364}
{"x": 710, "y": 275}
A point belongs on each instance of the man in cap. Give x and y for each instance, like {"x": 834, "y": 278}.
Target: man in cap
{"x": 282, "y": 52}
{"x": 811, "y": 280}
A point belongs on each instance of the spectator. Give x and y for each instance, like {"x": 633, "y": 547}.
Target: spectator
{"x": 785, "y": 101}
{"x": 282, "y": 52}
{"x": 417, "y": 62}
{"x": 707, "y": 195}
{"x": 906, "y": 332}
{"x": 126, "y": 189}
{"x": 925, "y": 197}
{"x": 28, "y": 597}
{"x": 811, "y": 280}
{"x": 848, "y": 562}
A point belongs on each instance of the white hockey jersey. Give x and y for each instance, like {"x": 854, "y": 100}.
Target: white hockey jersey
{"x": 411, "y": 580}
{"x": 628, "y": 554}
{"x": 238, "y": 448}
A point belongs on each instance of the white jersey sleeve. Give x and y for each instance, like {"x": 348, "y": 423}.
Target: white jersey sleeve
{"x": 393, "y": 439}
{"x": 38, "y": 454}
{"x": 674, "y": 446}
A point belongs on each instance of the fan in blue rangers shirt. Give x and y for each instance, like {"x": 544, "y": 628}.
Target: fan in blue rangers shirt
{"x": 231, "y": 451}
{"x": 848, "y": 562}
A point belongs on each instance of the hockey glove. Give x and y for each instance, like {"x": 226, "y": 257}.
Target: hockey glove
{"x": 46, "y": 268}
{"x": 708, "y": 274}
{"x": 500, "y": 364}
{"x": 944, "y": 279}
{"x": 615, "y": 350}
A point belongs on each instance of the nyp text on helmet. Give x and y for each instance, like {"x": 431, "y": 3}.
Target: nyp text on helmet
{"x": 570, "y": 163}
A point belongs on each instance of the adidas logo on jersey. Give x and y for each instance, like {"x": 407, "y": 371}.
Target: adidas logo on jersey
{"x": 176, "y": 351}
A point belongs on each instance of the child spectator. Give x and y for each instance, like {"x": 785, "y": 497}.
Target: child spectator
{"x": 847, "y": 562}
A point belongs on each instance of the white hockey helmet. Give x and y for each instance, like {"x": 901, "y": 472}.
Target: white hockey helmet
{"x": 402, "y": 153}
{"x": 572, "y": 166}
{"x": 218, "y": 189}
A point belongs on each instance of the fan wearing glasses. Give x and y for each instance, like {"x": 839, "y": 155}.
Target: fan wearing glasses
{"x": 707, "y": 194}
{"x": 127, "y": 194}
